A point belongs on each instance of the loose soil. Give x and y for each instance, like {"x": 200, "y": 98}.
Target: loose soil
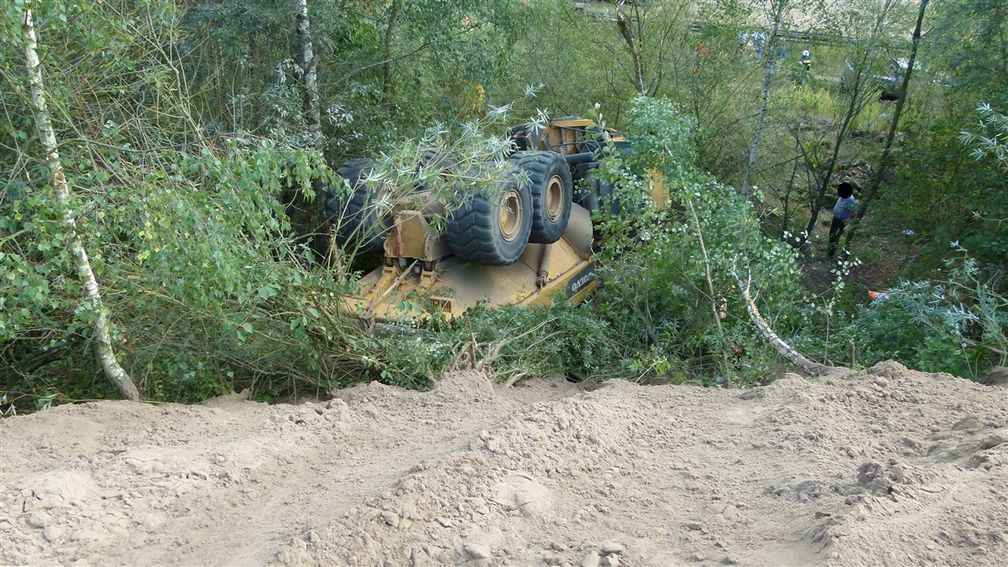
{"x": 890, "y": 466}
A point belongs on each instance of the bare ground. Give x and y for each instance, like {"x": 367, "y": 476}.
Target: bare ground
{"x": 888, "y": 467}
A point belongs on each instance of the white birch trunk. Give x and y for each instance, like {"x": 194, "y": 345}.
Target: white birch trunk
{"x": 309, "y": 63}
{"x": 769, "y": 62}
{"x": 103, "y": 342}
{"x": 784, "y": 349}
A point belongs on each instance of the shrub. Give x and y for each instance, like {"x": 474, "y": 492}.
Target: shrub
{"x": 669, "y": 273}
{"x": 956, "y": 325}
{"x": 206, "y": 290}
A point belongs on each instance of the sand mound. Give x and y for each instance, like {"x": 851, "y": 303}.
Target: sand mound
{"x": 887, "y": 467}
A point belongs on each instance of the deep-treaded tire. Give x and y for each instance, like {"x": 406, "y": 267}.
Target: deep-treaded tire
{"x": 354, "y": 217}
{"x": 594, "y": 142}
{"x": 586, "y": 191}
{"x": 492, "y": 230}
{"x": 552, "y": 193}
{"x": 437, "y": 161}
{"x": 596, "y": 193}
{"x": 520, "y": 136}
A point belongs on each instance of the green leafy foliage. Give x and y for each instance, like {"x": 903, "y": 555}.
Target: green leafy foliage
{"x": 557, "y": 339}
{"x": 991, "y": 140}
{"x": 656, "y": 289}
{"x": 549, "y": 340}
{"x": 207, "y": 293}
{"x": 956, "y": 325}
{"x": 181, "y": 123}
{"x": 971, "y": 209}
{"x": 387, "y": 69}
{"x": 206, "y": 288}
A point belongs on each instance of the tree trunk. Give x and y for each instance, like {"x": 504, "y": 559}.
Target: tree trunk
{"x": 769, "y": 62}
{"x": 103, "y": 342}
{"x": 707, "y": 271}
{"x": 858, "y": 99}
{"x": 307, "y": 216}
{"x": 309, "y": 64}
{"x": 624, "y": 28}
{"x": 388, "y": 65}
{"x": 786, "y": 221}
{"x": 784, "y": 349}
{"x": 883, "y": 164}
{"x": 853, "y": 109}
{"x": 710, "y": 280}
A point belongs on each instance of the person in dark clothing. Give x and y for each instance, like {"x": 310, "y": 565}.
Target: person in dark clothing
{"x": 843, "y": 212}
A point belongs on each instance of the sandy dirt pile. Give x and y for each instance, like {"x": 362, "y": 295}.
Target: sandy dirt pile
{"x": 888, "y": 467}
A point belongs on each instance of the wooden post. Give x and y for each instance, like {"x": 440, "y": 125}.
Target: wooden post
{"x": 103, "y": 342}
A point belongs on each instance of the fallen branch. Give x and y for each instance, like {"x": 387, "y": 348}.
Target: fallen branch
{"x": 514, "y": 379}
{"x": 474, "y": 355}
{"x": 785, "y": 350}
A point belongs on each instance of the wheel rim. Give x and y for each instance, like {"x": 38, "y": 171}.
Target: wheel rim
{"x": 554, "y": 198}
{"x": 510, "y": 215}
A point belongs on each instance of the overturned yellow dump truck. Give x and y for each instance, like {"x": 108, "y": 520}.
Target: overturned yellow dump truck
{"x": 522, "y": 244}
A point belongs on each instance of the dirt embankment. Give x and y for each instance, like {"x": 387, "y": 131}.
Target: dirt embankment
{"x": 889, "y": 467}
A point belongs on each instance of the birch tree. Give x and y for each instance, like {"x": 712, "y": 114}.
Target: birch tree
{"x": 103, "y": 341}
{"x": 775, "y": 11}
{"x": 309, "y": 64}
{"x": 306, "y": 214}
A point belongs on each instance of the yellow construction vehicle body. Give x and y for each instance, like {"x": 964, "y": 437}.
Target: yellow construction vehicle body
{"x": 420, "y": 279}
{"x": 417, "y": 290}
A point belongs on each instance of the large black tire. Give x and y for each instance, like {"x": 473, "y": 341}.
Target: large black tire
{"x": 437, "y": 161}
{"x": 581, "y": 171}
{"x": 596, "y": 193}
{"x": 552, "y": 193}
{"x": 480, "y": 233}
{"x": 600, "y": 147}
{"x": 354, "y": 216}
{"x": 594, "y": 141}
{"x": 586, "y": 188}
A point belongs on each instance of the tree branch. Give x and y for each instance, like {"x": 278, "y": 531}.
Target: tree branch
{"x": 785, "y": 350}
